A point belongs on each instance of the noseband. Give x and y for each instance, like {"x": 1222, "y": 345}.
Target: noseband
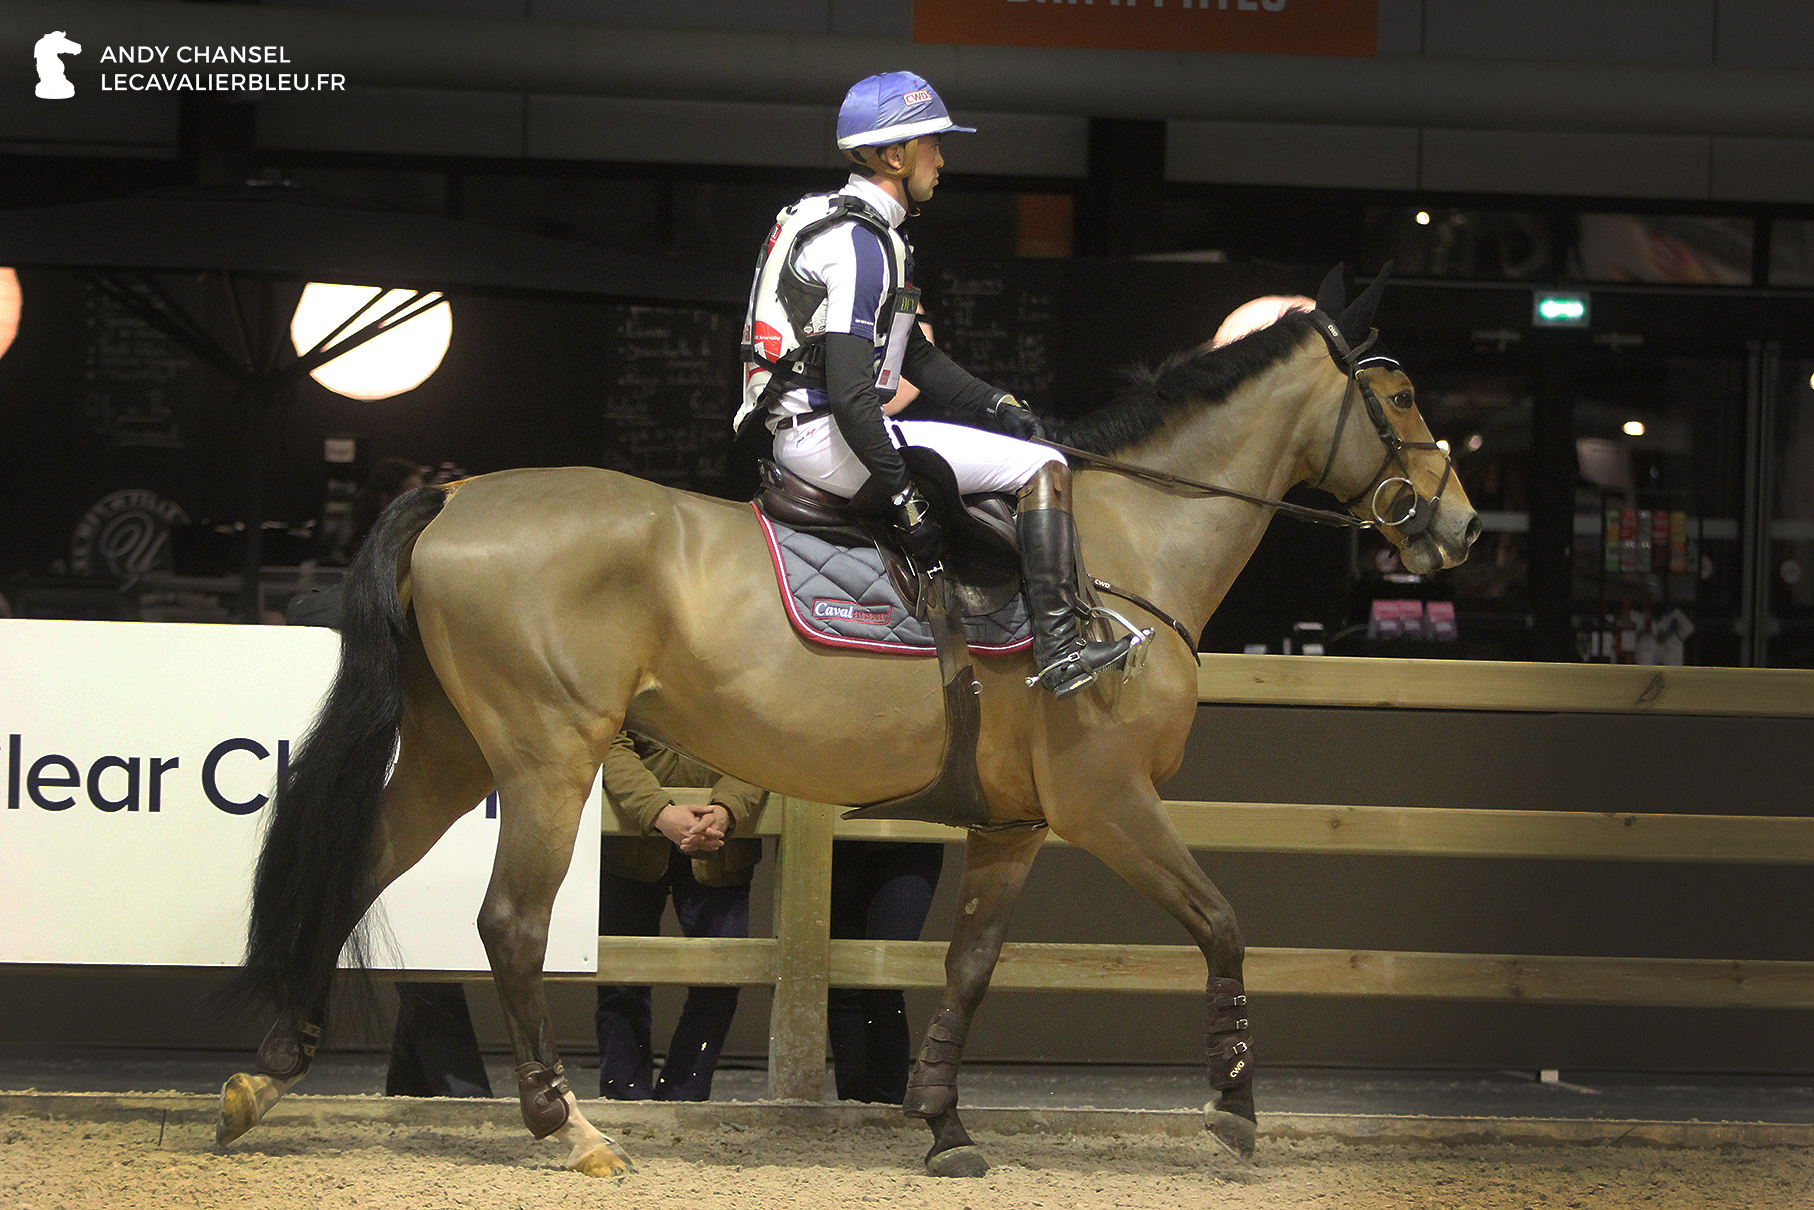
{"x": 1415, "y": 514}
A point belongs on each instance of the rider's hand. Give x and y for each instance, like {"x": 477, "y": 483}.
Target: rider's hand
{"x": 920, "y": 535}
{"x": 1015, "y": 419}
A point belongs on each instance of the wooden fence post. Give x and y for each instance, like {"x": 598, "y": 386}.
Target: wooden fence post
{"x": 796, "y": 1030}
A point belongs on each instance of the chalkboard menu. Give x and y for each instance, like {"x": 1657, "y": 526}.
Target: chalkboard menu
{"x": 132, "y": 376}
{"x": 999, "y": 321}
{"x": 669, "y": 392}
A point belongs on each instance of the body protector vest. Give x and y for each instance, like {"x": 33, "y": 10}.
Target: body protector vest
{"x": 785, "y": 324}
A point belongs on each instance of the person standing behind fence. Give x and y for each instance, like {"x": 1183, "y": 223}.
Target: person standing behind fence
{"x": 880, "y": 891}
{"x": 703, "y": 857}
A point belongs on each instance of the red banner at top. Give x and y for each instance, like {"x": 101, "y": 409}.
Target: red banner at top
{"x": 1256, "y": 27}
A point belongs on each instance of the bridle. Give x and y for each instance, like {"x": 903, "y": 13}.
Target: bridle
{"x": 1415, "y": 514}
{"x": 1418, "y": 513}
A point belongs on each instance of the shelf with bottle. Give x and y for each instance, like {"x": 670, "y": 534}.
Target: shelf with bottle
{"x": 1634, "y": 604}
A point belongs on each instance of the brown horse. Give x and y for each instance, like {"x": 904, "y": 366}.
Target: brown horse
{"x": 500, "y": 632}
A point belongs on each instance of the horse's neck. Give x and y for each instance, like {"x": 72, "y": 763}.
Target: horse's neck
{"x": 1188, "y": 551}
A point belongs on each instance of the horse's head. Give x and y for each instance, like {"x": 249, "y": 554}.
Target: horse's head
{"x": 1389, "y": 470}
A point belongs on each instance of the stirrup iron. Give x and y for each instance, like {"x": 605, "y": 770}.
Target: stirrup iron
{"x": 1131, "y": 662}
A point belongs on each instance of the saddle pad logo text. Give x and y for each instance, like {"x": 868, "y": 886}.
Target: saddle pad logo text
{"x": 850, "y": 611}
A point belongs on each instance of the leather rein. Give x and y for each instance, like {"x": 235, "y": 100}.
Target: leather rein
{"x": 1418, "y": 513}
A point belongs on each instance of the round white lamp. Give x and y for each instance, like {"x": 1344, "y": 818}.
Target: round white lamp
{"x": 398, "y": 359}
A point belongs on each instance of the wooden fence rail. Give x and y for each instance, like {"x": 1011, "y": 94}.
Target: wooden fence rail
{"x": 801, "y": 962}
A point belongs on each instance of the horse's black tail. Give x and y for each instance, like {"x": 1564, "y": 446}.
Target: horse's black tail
{"x": 314, "y": 878}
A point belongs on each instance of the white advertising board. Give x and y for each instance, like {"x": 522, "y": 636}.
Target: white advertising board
{"x": 137, "y": 762}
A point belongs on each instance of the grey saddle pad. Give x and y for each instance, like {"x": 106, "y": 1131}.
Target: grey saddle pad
{"x": 841, "y": 596}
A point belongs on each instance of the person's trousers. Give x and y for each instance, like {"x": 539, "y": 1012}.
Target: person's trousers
{"x": 628, "y": 908}
{"x": 880, "y": 891}
{"x": 983, "y": 461}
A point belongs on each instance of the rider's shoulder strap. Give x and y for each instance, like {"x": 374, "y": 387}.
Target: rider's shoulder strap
{"x": 844, "y": 208}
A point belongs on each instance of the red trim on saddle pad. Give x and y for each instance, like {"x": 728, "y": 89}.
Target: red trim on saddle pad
{"x": 807, "y": 630}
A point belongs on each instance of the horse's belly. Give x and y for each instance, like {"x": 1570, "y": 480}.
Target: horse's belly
{"x": 841, "y": 728}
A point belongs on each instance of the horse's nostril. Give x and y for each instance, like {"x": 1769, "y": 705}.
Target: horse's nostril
{"x": 1473, "y": 531}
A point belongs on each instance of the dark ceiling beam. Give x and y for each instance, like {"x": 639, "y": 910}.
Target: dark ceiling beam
{"x": 387, "y": 49}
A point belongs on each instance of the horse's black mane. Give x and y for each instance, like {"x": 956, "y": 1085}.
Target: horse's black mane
{"x": 1201, "y": 376}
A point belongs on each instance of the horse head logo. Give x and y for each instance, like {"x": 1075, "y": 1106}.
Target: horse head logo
{"x": 53, "y": 85}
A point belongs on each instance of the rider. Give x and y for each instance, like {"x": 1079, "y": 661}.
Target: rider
{"x": 831, "y": 333}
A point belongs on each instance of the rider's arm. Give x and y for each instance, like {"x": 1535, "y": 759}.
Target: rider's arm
{"x": 850, "y": 393}
{"x": 943, "y": 381}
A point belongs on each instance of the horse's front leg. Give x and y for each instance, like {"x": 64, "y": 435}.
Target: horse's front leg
{"x": 995, "y": 870}
{"x": 538, "y": 817}
{"x": 1128, "y": 829}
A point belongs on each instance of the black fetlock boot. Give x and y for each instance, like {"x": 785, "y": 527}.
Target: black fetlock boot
{"x": 1066, "y": 661}
{"x": 1230, "y": 1117}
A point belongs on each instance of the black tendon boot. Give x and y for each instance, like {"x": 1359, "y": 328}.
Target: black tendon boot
{"x": 1065, "y": 660}
{"x": 1230, "y": 1117}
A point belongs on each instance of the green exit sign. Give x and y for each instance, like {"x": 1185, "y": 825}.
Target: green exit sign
{"x": 1551, "y": 309}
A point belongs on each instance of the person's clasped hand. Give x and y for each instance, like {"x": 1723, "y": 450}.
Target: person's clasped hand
{"x": 696, "y": 828}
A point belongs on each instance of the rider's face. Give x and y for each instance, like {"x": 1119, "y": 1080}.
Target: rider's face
{"x": 927, "y": 161}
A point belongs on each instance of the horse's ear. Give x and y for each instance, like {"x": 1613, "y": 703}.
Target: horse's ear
{"x": 1332, "y": 295}
{"x": 1357, "y": 319}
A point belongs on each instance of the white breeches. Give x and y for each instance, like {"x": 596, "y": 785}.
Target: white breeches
{"x": 983, "y": 461}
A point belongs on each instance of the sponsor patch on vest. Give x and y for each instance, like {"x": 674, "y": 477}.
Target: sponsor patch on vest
{"x": 850, "y": 611}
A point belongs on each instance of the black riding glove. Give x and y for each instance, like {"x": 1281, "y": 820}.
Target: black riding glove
{"x": 1015, "y": 419}
{"x": 920, "y": 535}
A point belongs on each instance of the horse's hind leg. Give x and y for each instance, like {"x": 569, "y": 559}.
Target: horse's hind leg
{"x": 995, "y": 870}
{"x": 1131, "y": 833}
{"x": 539, "y": 810}
{"x": 440, "y": 774}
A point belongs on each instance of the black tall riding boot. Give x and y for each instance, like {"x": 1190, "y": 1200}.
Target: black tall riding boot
{"x": 1065, "y": 660}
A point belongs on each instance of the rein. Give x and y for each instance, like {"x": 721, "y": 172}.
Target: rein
{"x": 1418, "y": 514}
{"x": 1183, "y": 486}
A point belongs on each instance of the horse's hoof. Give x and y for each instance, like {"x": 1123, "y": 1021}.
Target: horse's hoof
{"x": 959, "y": 1161}
{"x": 606, "y": 1159}
{"x": 238, "y": 1109}
{"x": 1234, "y": 1133}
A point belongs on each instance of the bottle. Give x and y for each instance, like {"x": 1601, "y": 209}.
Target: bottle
{"x": 1678, "y": 543}
{"x": 1647, "y": 648}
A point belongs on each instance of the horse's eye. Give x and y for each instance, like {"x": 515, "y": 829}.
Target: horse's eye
{"x": 1402, "y": 400}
